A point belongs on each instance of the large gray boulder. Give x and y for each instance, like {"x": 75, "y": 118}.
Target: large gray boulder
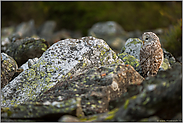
{"x": 64, "y": 58}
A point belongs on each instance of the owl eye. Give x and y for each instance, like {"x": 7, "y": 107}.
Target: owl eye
{"x": 146, "y": 39}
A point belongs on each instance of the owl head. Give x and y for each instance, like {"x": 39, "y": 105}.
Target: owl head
{"x": 148, "y": 37}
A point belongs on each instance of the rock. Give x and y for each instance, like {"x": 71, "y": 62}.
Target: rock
{"x": 169, "y": 56}
{"x": 29, "y": 63}
{"x": 26, "y": 29}
{"x": 96, "y": 87}
{"x": 84, "y": 80}
{"x": 132, "y": 47}
{"x": 46, "y": 30}
{"x": 4, "y": 44}
{"x": 57, "y": 36}
{"x": 150, "y": 101}
{"x": 45, "y": 111}
{"x": 166, "y": 87}
{"x": 151, "y": 119}
{"x": 179, "y": 59}
{"x": 116, "y": 43}
{"x": 68, "y": 118}
{"x": 25, "y": 66}
{"x": 109, "y": 28}
{"x": 111, "y": 32}
{"x": 15, "y": 36}
{"x": 165, "y": 65}
{"x": 27, "y": 48}
{"x": 5, "y": 32}
{"x": 130, "y": 60}
{"x": 64, "y": 58}
{"x": 8, "y": 69}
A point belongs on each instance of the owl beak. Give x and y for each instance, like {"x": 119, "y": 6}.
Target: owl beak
{"x": 143, "y": 42}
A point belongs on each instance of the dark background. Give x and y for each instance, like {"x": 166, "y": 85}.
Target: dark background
{"x": 82, "y": 15}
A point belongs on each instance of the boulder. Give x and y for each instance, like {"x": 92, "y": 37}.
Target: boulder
{"x": 111, "y": 32}
{"x": 109, "y": 28}
{"x": 8, "y": 69}
{"x": 46, "y": 111}
{"x": 156, "y": 99}
{"x": 64, "y": 58}
{"x": 27, "y": 48}
{"x": 84, "y": 94}
{"x": 96, "y": 87}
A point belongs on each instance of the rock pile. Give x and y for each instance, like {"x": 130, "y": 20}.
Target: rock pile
{"x": 85, "y": 80}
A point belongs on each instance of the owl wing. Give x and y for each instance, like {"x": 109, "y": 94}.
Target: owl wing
{"x": 145, "y": 53}
{"x": 151, "y": 57}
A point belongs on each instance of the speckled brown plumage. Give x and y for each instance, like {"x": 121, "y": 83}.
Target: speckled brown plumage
{"x": 151, "y": 54}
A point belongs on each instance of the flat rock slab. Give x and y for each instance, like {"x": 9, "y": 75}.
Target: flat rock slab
{"x": 64, "y": 58}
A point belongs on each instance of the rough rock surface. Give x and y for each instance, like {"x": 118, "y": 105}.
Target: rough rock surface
{"x": 93, "y": 90}
{"x": 46, "y": 111}
{"x": 8, "y": 69}
{"x": 96, "y": 87}
{"x": 84, "y": 80}
{"x": 132, "y": 47}
{"x": 130, "y": 60}
{"x": 158, "y": 97}
{"x": 62, "y": 59}
{"x": 27, "y": 48}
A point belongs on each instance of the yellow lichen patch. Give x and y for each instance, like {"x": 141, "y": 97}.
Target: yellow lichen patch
{"x": 47, "y": 79}
{"x": 126, "y": 103}
{"x": 43, "y": 49}
{"x": 84, "y": 64}
{"x": 69, "y": 74}
{"x": 49, "y": 74}
{"x": 94, "y": 106}
{"x": 113, "y": 111}
{"x": 110, "y": 117}
{"x": 134, "y": 97}
{"x": 31, "y": 74}
{"x": 99, "y": 101}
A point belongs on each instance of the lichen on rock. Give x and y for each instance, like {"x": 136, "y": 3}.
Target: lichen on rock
{"x": 42, "y": 111}
{"x": 23, "y": 49}
{"x": 8, "y": 68}
{"x": 96, "y": 87}
{"x": 132, "y": 47}
{"x": 64, "y": 58}
{"x": 130, "y": 60}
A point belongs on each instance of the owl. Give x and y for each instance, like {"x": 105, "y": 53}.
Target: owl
{"x": 151, "y": 54}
